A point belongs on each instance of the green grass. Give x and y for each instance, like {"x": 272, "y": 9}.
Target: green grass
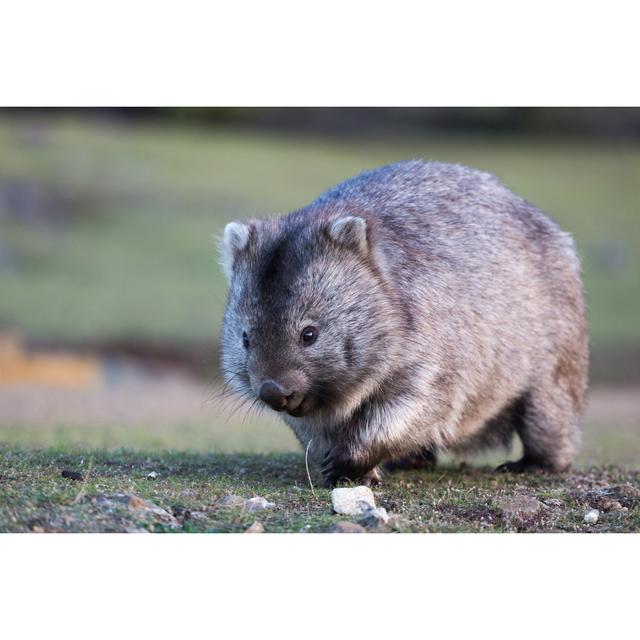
{"x": 135, "y": 258}
{"x": 35, "y": 497}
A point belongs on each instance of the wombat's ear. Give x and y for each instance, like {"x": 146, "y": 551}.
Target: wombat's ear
{"x": 350, "y": 232}
{"x": 235, "y": 239}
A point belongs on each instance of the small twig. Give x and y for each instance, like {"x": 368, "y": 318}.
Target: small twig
{"x": 306, "y": 464}
{"x": 84, "y": 483}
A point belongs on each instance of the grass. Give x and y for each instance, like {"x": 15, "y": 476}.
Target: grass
{"x": 105, "y": 235}
{"x": 129, "y": 253}
{"x": 35, "y": 497}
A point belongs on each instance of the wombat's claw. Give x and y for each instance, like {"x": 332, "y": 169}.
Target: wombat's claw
{"x": 373, "y": 478}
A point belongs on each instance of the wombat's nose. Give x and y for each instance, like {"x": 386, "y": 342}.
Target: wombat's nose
{"x": 274, "y": 395}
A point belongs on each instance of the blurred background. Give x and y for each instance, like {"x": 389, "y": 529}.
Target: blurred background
{"x": 111, "y": 296}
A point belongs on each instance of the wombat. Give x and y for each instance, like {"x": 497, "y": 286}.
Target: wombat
{"x": 417, "y": 308}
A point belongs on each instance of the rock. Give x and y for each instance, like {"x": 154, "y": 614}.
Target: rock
{"x": 231, "y": 501}
{"x": 591, "y": 517}
{"x": 183, "y": 514}
{"x": 352, "y": 501}
{"x": 347, "y": 527}
{"x": 375, "y": 517}
{"x": 133, "y": 503}
{"x": 72, "y": 475}
{"x": 257, "y": 504}
{"x": 256, "y": 527}
{"x": 628, "y": 490}
{"x": 609, "y": 504}
{"x": 519, "y": 510}
{"x": 152, "y": 475}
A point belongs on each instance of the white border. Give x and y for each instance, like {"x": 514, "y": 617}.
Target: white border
{"x": 330, "y": 53}
{"x": 319, "y": 586}
{"x": 372, "y": 53}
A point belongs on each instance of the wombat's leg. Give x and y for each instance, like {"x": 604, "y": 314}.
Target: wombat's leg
{"x": 549, "y": 429}
{"x": 339, "y": 466}
{"x": 373, "y": 478}
{"x": 426, "y": 458}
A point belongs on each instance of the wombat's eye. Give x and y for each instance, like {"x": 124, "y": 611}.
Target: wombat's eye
{"x": 245, "y": 340}
{"x": 308, "y": 336}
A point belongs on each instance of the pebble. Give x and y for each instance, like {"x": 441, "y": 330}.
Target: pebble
{"x": 398, "y": 522}
{"x": 355, "y": 501}
{"x": 347, "y": 527}
{"x": 258, "y": 504}
{"x": 231, "y": 501}
{"x": 152, "y": 475}
{"x": 256, "y": 527}
{"x": 591, "y": 517}
{"x": 609, "y": 504}
{"x": 628, "y": 490}
{"x": 133, "y": 502}
{"x": 72, "y": 475}
{"x": 375, "y": 517}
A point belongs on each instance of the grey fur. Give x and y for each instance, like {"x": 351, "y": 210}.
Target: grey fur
{"x": 455, "y": 321}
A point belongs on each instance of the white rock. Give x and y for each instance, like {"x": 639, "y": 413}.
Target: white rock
{"x": 591, "y": 517}
{"x": 152, "y": 475}
{"x": 352, "y": 501}
{"x": 258, "y": 504}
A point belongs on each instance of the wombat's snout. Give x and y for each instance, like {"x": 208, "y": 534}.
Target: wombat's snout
{"x": 279, "y": 398}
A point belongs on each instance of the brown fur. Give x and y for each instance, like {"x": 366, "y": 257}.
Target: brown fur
{"x": 450, "y": 315}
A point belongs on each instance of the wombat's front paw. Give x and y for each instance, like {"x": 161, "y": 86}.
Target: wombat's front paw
{"x": 337, "y": 466}
{"x": 524, "y": 465}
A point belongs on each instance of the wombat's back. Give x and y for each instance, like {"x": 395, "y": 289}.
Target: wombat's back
{"x": 492, "y": 284}
{"x": 460, "y": 232}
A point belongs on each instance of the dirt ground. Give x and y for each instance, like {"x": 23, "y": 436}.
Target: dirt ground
{"x": 71, "y": 490}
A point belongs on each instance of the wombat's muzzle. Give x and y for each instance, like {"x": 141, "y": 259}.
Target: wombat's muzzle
{"x": 279, "y": 398}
